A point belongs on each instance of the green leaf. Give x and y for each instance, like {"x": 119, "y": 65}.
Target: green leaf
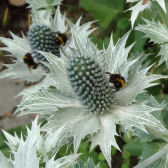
{"x": 165, "y": 116}
{"x": 103, "y": 165}
{"x": 161, "y": 12}
{"x": 164, "y": 53}
{"x": 101, "y": 157}
{"x": 144, "y": 137}
{"x": 140, "y": 41}
{"x": 126, "y": 159}
{"x": 151, "y": 148}
{"x": 134, "y": 147}
{"x": 123, "y": 23}
{"x": 104, "y": 11}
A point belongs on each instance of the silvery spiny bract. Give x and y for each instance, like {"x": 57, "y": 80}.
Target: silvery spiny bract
{"x": 46, "y": 5}
{"x": 88, "y": 164}
{"x": 157, "y": 33}
{"x": 83, "y": 100}
{"x": 36, "y": 149}
{"x": 142, "y": 5}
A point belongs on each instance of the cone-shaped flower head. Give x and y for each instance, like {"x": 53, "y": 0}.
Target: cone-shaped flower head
{"x": 35, "y": 150}
{"x": 87, "y": 101}
{"x": 42, "y": 38}
{"x": 90, "y": 84}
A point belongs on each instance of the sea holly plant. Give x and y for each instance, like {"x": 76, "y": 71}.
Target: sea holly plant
{"x": 33, "y": 150}
{"x": 88, "y": 93}
{"x": 142, "y": 5}
{"x": 83, "y": 97}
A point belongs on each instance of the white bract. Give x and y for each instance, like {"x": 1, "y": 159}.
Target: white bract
{"x": 88, "y": 164}
{"x": 157, "y": 32}
{"x": 45, "y": 5}
{"x": 84, "y": 101}
{"x": 18, "y": 47}
{"x": 36, "y": 149}
{"x": 142, "y": 5}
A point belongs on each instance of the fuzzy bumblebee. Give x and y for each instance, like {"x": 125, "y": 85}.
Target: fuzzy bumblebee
{"x": 61, "y": 38}
{"x": 117, "y": 80}
{"x": 28, "y": 59}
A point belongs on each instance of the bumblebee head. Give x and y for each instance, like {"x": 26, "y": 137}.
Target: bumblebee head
{"x": 61, "y": 39}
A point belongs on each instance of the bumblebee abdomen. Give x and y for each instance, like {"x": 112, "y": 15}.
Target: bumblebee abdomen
{"x": 121, "y": 81}
{"x": 28, "y": 59}
{"x": 61, "y": 39}
{"x": 117, "y": 80}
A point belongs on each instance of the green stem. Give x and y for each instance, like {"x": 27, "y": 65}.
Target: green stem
{"x": 163, "y": 15}
{"x": 153, "y": 158}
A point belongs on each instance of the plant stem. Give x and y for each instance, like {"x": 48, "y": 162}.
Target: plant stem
{"x": 163, "y": 15}
{"x": 153, "y": 158}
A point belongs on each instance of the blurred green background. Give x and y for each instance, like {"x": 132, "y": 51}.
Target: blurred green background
{"x": 109, "y": 16}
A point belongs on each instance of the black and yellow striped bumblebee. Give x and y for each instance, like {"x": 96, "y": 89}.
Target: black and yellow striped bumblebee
{"x": 28, "y": 59}
{"x": 117, "y": 80}
{"x": 61, "y": 38}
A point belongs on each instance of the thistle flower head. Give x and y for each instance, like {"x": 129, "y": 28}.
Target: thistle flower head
{"x": 85, "y": 99}
{"x": 43, "y": 39}
{"x": 90, "y": 84}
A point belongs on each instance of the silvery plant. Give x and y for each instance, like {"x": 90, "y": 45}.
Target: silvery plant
{"x": 34, "y": 149}
{"x": 82, "y": 91}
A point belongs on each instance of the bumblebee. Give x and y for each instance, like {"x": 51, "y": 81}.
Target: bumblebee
{"x": 61, "y": 38}
{"x": 117, "y": 80}
{"x": 28, "y": 59}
